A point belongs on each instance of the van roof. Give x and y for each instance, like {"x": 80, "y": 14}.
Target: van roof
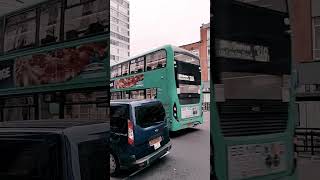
{"x": 132, "y": 101}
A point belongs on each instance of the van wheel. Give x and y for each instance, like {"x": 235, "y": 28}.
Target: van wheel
{"x": 114, "y": 165}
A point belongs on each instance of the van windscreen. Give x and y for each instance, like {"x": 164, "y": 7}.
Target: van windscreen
{"x": 149, "y": 114}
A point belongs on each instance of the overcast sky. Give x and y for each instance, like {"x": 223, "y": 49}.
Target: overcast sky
{"x": 155, "y": 23}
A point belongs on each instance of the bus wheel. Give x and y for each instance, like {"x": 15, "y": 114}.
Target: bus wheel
{"x": 114, "y": 165}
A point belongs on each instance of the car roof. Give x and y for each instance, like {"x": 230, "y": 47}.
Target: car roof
{"x": 46, "y": 125}
{"x": 132, "y": 101}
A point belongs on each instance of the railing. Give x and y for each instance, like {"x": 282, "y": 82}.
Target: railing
{"x": 307, "y": 141}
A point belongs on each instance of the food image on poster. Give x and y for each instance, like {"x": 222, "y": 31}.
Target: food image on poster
{"x": 129, "y": 82}
{"x": 58, "y": 66}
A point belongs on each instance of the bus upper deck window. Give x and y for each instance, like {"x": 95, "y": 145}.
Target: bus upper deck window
{"x": 137, "y": 65}
{"x": 156, "y": 60}
{"x": 125, "y": 68}
{"x": 85, "y": 18}
{"x": 19, "y": 32}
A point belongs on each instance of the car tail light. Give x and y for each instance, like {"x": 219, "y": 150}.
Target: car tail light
{"x": 175, "y": 111}
{"x": 130, "y": 133}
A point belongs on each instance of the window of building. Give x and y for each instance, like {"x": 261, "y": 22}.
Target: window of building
{"x": 20, "y": 31}
{"x": 50, "y": 16}
{"x": 156, "y": 60}
{"x": 85, "y": 18}
{"x": 137, "y": 65}
{"x": 118, "y": 36}
{"x": 123, "y": 10}
{"x": 113, "y": 4}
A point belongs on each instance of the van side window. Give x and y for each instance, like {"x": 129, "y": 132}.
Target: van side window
{"x": 119, "y": 117}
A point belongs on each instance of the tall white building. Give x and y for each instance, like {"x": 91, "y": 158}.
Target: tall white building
{"x": 120, "y": 31}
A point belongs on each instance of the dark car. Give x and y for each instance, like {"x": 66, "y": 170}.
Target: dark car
{"x": 54, "y": 150}
{"x": 139, "y": 134}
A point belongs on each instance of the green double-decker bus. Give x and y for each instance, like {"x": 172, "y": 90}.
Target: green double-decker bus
{"x": 54, "y": 60}
{"x": 253, "y": 81}
{"x": 170, "y": 74}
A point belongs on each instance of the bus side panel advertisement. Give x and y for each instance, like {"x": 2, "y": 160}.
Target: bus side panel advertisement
{"x": 129, "y": 82}
{"x": 57, "y": 66}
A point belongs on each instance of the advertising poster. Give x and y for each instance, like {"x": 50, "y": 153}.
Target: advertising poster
{"x": 58, "y": 66}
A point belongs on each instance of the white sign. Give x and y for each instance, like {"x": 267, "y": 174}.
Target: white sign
{"x": 239, "y": 50}
{"x": 185, "y": 77}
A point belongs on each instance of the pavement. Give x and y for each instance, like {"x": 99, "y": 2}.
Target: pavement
{"x": 189, "y": 158}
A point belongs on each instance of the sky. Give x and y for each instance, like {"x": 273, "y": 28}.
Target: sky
{"x": 154, "y": 23}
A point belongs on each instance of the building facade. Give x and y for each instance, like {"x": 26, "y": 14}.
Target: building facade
{"x": 119, "y": 31}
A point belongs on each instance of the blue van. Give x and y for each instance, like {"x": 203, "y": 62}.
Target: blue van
{"x": 139, "y": 134}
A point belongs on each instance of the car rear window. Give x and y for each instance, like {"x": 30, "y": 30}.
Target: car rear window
{"x": 149, "y": 114}
{"x": 119, "y": 117}
{"x": 31, "y": 158}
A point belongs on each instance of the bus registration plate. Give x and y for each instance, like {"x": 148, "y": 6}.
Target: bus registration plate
{"x": 156, "y": 142}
